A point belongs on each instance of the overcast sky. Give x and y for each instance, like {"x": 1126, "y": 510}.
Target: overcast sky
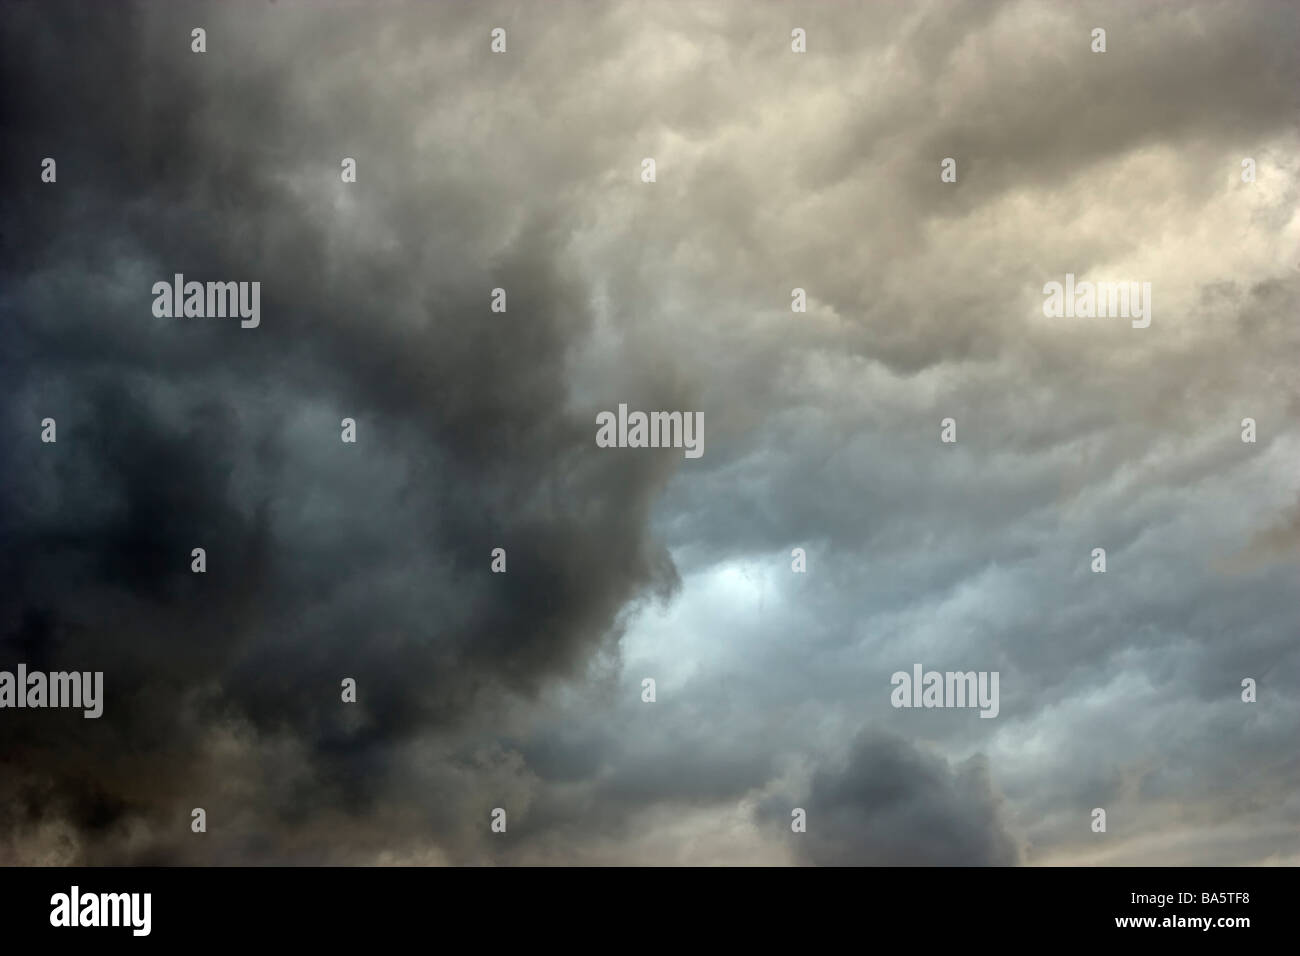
{"x": 775, "y": 170}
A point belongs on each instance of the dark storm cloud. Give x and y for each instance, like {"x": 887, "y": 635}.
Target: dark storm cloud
{"x": 521, "y": 690}
{"x": 890, "y": 804}
{"x": 174, "y": 435}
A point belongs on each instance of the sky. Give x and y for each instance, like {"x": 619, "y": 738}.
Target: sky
{"x": 774, "y": 170}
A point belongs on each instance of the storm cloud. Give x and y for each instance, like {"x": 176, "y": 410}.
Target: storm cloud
{"x": 476, "y": 430}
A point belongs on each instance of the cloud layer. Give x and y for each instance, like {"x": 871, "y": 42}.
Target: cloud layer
{"x": 476, "y": 430}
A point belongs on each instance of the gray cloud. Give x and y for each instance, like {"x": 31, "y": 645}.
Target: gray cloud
{"x": 893, "y": 805}
{"x": 476, "y": 171}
